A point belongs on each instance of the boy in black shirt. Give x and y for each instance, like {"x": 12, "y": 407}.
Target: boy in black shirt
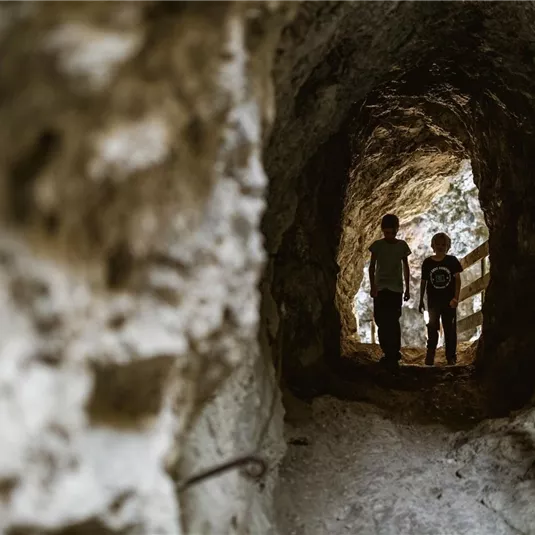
{"x": 442, "y": 280}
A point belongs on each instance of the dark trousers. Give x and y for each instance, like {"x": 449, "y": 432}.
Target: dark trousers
{"x": 387, "y": 311}
{"x": 448, "y": 315}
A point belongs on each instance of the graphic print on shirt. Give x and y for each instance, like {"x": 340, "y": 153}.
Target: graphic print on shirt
{"x": 440, "y": 277}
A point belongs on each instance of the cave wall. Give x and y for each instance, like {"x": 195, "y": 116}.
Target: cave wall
{"x": 504, "y": 155}
{"x": 305, "y": 268}
{"x": 130, "y": 254}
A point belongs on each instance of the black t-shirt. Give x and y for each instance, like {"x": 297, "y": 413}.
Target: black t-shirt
{"x": 440, "y": 277}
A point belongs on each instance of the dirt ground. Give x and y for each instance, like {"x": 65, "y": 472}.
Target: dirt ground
{"x": 387, "y": 455}
{"x": 440, "y": 393}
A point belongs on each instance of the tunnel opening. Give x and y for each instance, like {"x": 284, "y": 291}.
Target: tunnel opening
{"x": 455, "y": 209}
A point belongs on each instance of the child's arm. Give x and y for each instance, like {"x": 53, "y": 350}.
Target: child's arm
{"x": 455, "y": 301}
{"x": 423, "y": 286}
{"x": 371, "y": 272}
{"x": 407, "y": 275}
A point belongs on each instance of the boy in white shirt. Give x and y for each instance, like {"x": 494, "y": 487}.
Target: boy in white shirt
{"x": 389, "y": 255}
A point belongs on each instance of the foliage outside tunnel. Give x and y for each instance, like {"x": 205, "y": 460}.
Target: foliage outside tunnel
{"x": 456, "y": 212}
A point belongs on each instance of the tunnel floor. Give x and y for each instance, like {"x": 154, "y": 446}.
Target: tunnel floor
{"x": 428, "y": 394}
{"x": 353, "y": 469}
{"x": 388, "y": 454}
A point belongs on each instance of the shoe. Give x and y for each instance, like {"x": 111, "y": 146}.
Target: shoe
{"x": 430, "y": 358}
{"x": 452, "y": 362}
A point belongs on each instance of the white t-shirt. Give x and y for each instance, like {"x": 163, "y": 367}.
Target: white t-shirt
{"x": 388, "y": 272}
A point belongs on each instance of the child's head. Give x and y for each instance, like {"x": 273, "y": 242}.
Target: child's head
{"x": 390, "y": 226}
{"x": 441, "y": 243}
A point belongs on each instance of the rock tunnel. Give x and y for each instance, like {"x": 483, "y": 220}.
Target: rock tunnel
{"x": 188, "y": 194}
{"x": 386, "y": 112}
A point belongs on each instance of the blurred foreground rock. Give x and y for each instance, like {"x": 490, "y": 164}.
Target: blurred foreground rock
{"x": 130, "y": 252}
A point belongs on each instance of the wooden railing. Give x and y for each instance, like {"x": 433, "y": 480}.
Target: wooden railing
{"x": 478, "y": 286}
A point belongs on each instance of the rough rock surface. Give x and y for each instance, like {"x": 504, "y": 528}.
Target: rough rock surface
{"x": 352, "y": 468}
{"x": 130, "y": 252}
{"x": 376, "y": 102}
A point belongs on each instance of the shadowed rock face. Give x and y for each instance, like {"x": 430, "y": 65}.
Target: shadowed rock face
{"x": 376, "y": 102}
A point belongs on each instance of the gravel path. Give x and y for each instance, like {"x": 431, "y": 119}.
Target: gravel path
{"x": 352, "y": 469}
